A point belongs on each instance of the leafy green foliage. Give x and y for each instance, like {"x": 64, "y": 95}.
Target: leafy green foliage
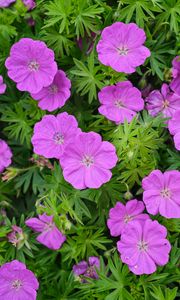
{"x": 79, "y": 13}
{"x": 137, "y": 145}
{"x": 158, "y": 59}
{"x": 86, "y": 242}
{"x": 88, "y": 78}
{"x": 170, "y": 15}
{"x": 159, "y": 295}
{"x": 139, "y": 11}
{"x": 19, "y": 121}
{"x": 60, "y": 43}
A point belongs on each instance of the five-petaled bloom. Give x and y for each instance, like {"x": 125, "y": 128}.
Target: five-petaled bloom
{"x": 175, "y": 83}
{"x": 53, "y": 133}
{"x": 31, "y": 65}
{"x": 55, "y": 95}
{"x": 121, "y": 47}
{"x": 5, "y": 155}
{"x": 50, "y": 235}
{"x": 120, "y": 102}
{"x": 87, "y": 161}
{"x": 6, "y": 3}
{"x": 174, "y": 128}
{"x": 143, "y": 247}
{"x": 162, "y": 193}
{"x": 17, "y": 282}
{"x": 2, "y": 86}
{"x": 165, "y": 102}
{"x": 121, "y": 216}
{"x": 87, "y": 269}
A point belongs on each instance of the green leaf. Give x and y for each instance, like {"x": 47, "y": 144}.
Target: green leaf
{"x": 158, "y": 294}
{"x": 58, "y": 12}
{"x": 87, "y": 77}
{"x": 60, "y": 43}
{"x": 139, "y": 10}
{"x": 86, "y": 20}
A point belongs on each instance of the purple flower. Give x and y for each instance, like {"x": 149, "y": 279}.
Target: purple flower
{"x": 30, "y": 4}
{"x": 165, "y": 102}
{"x": 175, "y": 83}
{"x": 5, "y": 155}
{"x": 50, "y": 235}
{"x": 121, "y": 216}
{"x": 35, "y": 68}
{"x": 120, "y": 102}
{"x": 87, "y": 269}
{"x": 53, "y": 133}
{"x": 143, "y": 247}
{"x": 6, "y": 3}
{"x": 174, "y": 128}
{"x": 17, "y": 282}
{"x": 87, "y": 160}
{"x": 121, "y": 47}
{"x": 162, "y": 193}
{"x": 55, "y": 95}
{"x": 2, "y": 86}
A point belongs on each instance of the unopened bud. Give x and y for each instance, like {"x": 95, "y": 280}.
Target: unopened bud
{"x": 10, "y": 173}
{"x": 128, "y": 195}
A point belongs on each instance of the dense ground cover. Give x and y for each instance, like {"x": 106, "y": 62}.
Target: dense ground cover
{"x": 89, "y": 149}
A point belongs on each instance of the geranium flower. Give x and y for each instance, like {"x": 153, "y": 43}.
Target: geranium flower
{"x": 121, "y": 47}
{"x": 50, "y": 235}
{"x": 2, "y": 86}
{"x": 120, "y": 102}
{"x": 174, "y": 128}
{"x": 87, "y": 161}
{"x": 31, "y": 65}
{"x": 87, "y": 269}
{"x": 17, "y": 282}
{"x": 143, "y": 247}
{"x": 55, "y": 95}
{"x": 5, "y": 155}
{"x": 175, "y": 83}
{"x": 162, "y": 193}
{"x": 121, "y": 216}
{"x": 6, "y": 3}
{"x": 53, "y": 133}
{"x": 165, "y": 102}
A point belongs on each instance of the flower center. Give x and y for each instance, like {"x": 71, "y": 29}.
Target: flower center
{"x": 33, "y": 65}
{"x": 165, "y": 104}
{"x": 58, "y": 138}
{"x": 53, "y": 89}
{"x": 87, "y": 161}
{"x": 142, "y": 246}
{"x": 118, "y": 104}
{"x": 17, "y": 284}
{"x": 90, "y": 272}
{"x": 122, "y": 50}
{"x": 127, "y": 218}
{"x": 49, "y": 226}
{"x": 165, "y": 193}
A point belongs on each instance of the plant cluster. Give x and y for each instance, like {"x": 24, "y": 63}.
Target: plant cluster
{"x": 64, "y": 226}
